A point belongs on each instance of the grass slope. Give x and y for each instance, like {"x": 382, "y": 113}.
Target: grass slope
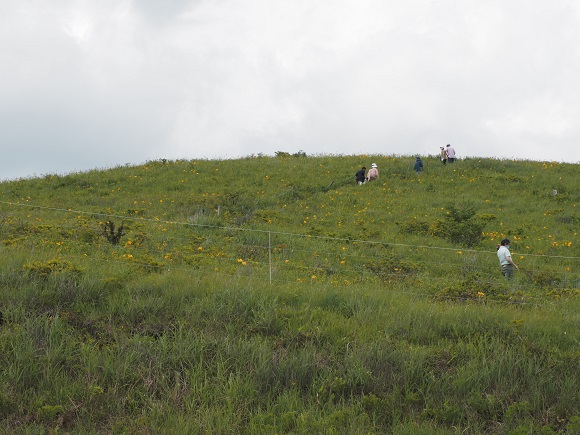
{"x": 274, "y": 295}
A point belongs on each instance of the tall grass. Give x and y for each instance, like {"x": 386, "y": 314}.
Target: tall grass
{"x": 274, "y": 295}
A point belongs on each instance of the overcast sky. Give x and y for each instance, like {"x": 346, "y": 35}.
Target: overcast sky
{"x": 90, "y": 84}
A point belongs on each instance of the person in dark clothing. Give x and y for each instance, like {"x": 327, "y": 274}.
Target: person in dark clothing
{"x": 418, "y": 165}
{"x": 360, "y": 175}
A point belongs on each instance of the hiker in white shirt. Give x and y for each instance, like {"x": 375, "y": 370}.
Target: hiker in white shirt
{"x": 450, "y": 151}
{"x": 505, "y": 259}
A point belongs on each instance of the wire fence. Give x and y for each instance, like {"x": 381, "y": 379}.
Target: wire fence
{"x": 273, "y": 257}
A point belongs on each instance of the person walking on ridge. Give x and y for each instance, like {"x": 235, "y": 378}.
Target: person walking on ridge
{"x": 360, "y": 175}
{"x": 443, "y": 155}
{"x": 450, "y": 153}
{"x": 505, "y": 259}
{"x": 418, "y": 165}
{"x": 373, "y": 173}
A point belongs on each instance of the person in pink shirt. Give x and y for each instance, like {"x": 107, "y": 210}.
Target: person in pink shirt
{"x": 450, "y": 151}
{"x": 373, "y": 173}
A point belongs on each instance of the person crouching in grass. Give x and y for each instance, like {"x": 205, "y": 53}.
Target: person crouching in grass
{"x": 373, "y": 173}
{"x": 360, "y": 175}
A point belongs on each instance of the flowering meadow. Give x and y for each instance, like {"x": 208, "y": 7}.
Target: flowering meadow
{"x": 276, "y": 295}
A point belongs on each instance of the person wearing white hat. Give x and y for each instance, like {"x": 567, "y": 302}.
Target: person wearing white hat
{"x": 373, "y": 173}
{"x": 443, "y": 155}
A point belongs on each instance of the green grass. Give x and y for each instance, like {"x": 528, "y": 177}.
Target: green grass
{"x": 274, "y": 295}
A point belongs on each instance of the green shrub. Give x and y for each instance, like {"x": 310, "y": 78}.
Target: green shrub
{"x": 112, "y": 233}
{"x": 461, "y": 226}
{"x": 418, "y": 227}
{"x": 7, "y": 403}
{"x": 546, "y": 278}
{"x": 44, "y": 269}
{"x": 392, "y": 267}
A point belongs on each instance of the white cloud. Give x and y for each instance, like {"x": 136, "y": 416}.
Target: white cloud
{"x": 91, "y": 84}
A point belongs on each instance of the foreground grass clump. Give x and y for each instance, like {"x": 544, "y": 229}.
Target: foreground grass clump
{"x": 167, "y": 298}
{"x": 223, "y": 357}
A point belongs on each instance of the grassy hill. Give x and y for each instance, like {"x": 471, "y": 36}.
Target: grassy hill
{"x": 275, "y": 295}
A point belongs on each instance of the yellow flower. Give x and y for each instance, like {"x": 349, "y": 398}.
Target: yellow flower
{"x": 480, "y": 294}
{"x": 313, "y": 276}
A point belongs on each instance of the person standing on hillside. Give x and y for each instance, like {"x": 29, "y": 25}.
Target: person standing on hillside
{"x": 443, "y": 155}
{"x": 418, "y": 165}
{"x": 450, "y": 153}
{"x": 360, "y": 175}
{"x": 373, "y": 173}
{"x": 505, "y": 259}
